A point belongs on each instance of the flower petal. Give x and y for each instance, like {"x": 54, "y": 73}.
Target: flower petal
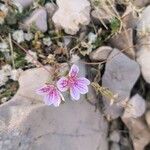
{"x": 44, "y": 90}
{"x": 84, "y": 80}
{"x": 53, "y": 98}
{"x": 56, "y": 99}
{"x": 82, "y": 88}
{"x": 48, "y": 99}
{"x": 74, "y": 93}
{"x": 62, "y": 84}
{"x": 74, "y": 71}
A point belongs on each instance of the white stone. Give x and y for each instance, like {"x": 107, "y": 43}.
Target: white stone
{"x": 18, "y": 36}
{"x": 92, "y": 37}
{"x": 28, "y": 36}
{"x": 4, "y": 99}
{"x": 71, "y": 14}
{"x": 31, "y": 57}
{"x": 4, "y": 47}
{"x": 37, "y": 20}
{"x": 47, "y": 41}
{"x": 135, "y": 107}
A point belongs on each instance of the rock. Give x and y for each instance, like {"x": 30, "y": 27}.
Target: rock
{"x": 37, "y": 20}
{"x": 119, "y": 79}
{"x": 143, "y": 27}
{"x": 24, "y": 3}
{"x": 51, "y": 9}
{"x": 124, "y": 42}
{"x": 79, "y": 14}
{"x": 115, "y": 136}
{"x": 101, "y": 53}
{"x": 26, "y": 123}
{"x": 115, "y": 146}
{"x": 139, "y": 132}
{"x": 125, "y": 143}
{"x": 129, "y": 18}
{"x": 147, "y": 118}
{"x": 103, "y": 12}
{"x": 135, "y": 107}
{"x": 140, "y": 3}
{"x": 143, "y": 59}
{"x": 143, "y": 48}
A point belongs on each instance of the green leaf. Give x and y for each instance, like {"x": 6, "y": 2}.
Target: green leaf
{"x": 114, "y": 25}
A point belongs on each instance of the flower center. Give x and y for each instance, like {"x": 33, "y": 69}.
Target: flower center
{"x": 71, "y": 81}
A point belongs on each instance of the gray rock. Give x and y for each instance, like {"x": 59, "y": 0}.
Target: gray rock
{"x": 139, "y": 132}
{"x": 140, "y": 3}
{"x": 51, "y": 9}
{"x": 101, "y": 53}
{"x": 120, "y": 79}
{"x": 143, "y": 22}
{"x": 115, "y": 136}
{"x": 115, "y": 146}
{"x": 135, "y": 108}
{"x": 129, "y": 18}
{"x": 143, "y": 40}
{"x": 124, "y": 42}
{"x": 37, "y": 20}
{"x": 27, "y": 124}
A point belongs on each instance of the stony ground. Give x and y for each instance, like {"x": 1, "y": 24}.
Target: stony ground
{"x": 109, "y": 40}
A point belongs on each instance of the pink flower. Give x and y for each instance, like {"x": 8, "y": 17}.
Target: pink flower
{"x": 76, "y": 85}
{"x": 51, "y": 95}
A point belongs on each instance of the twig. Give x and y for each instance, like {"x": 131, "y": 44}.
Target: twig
{"x": 12, "y": 51}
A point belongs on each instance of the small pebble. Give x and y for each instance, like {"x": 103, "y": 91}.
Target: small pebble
{"x": 115, "y": 146}
{"x": 115, "y": 136}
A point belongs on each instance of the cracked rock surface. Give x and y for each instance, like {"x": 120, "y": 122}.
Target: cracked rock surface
{"x": 27, "y": 124}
